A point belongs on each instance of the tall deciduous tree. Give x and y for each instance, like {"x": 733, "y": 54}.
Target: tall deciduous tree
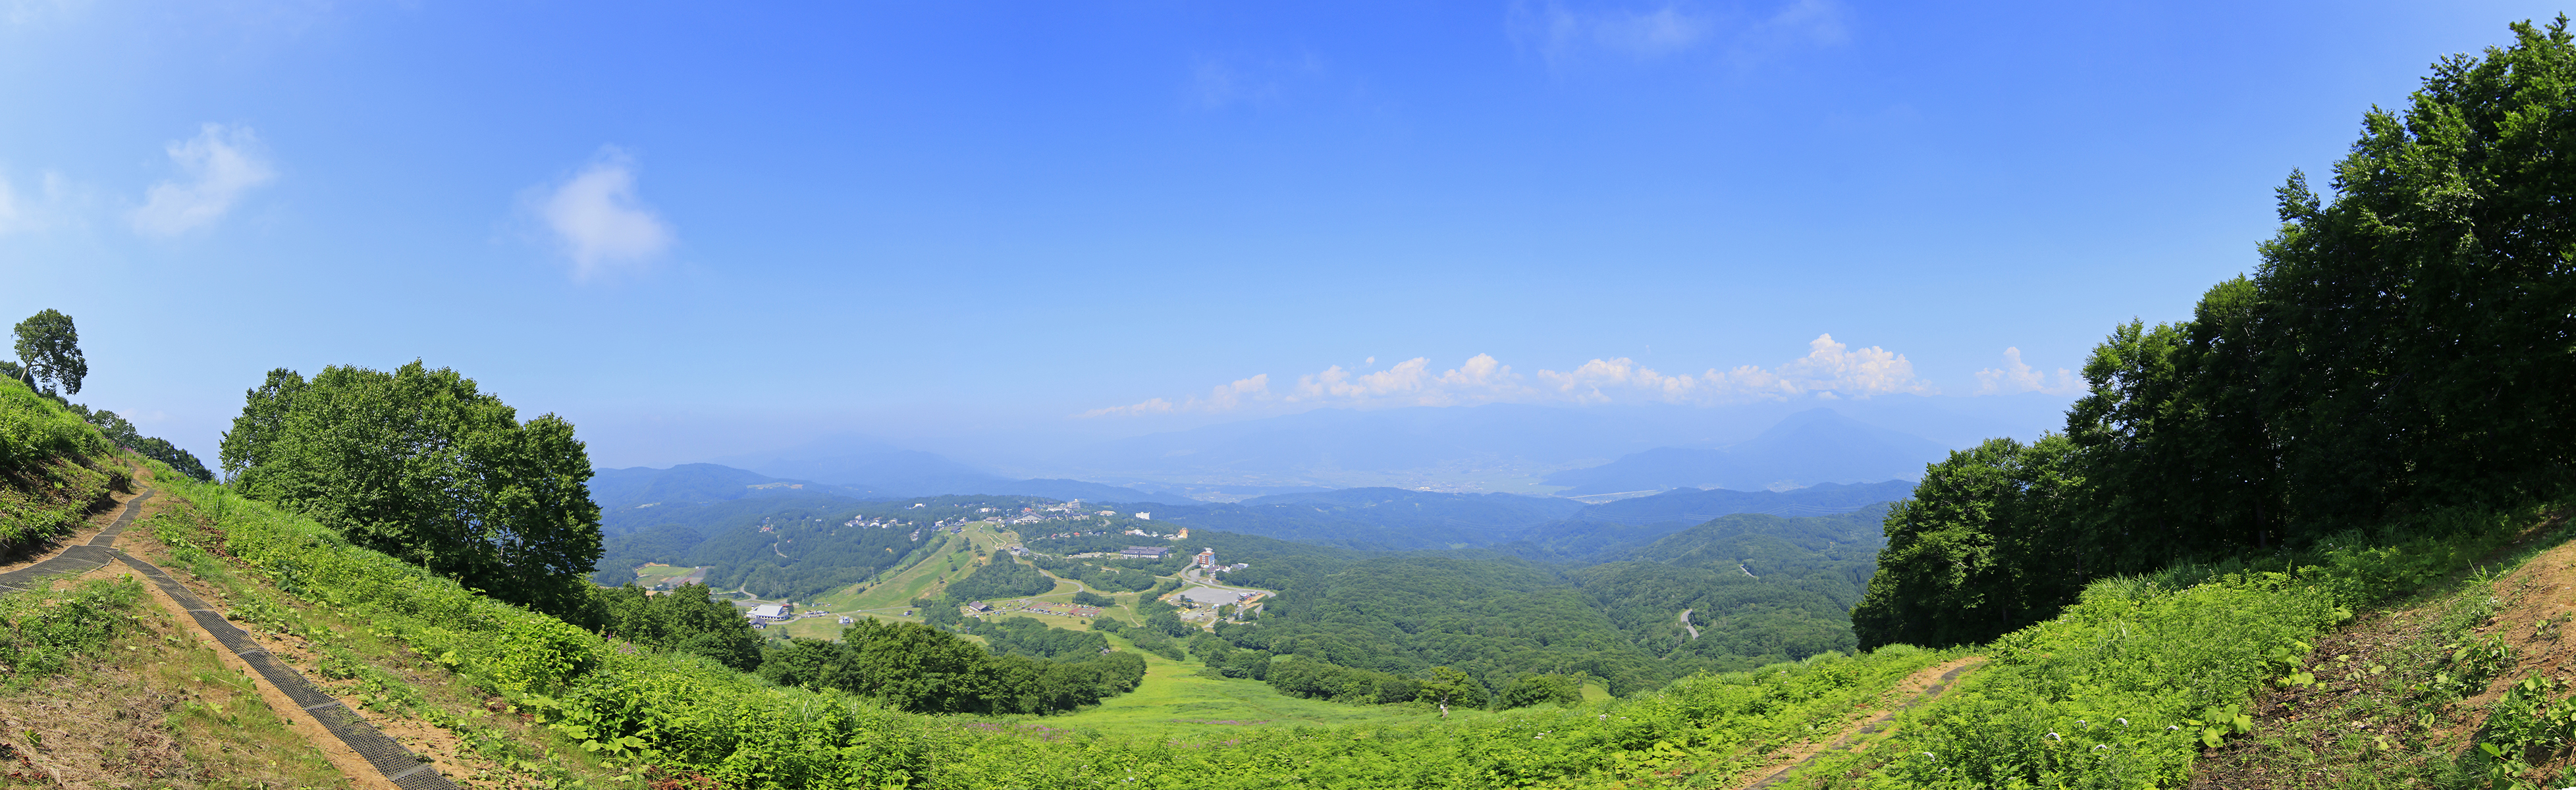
{"x": 419, "y": 464}
{"x": 1986, "y": 546}
{"x": 49, "y": 353}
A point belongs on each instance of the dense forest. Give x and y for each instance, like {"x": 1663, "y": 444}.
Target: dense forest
{"x": 2402, "y": 347}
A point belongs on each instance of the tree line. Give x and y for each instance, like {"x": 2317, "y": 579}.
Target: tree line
{"x": 50, "y": 362}
{"x": 2402, "y": 348}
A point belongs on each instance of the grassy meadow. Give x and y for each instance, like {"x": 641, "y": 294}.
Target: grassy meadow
{"x": 1175, "y": 699}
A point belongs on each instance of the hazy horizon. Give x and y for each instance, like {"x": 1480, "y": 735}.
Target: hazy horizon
{"x": 1004, "y": 233}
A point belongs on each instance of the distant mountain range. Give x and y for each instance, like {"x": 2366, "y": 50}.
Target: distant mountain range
{"x": 1807, "y": 448}
{"x": 1550, "y": 528}
{"x": 867, "y": 470}
{"x": 1535, "y": 449}
{"x": 620, "y": 490}
{"x": 1596, "y": 454}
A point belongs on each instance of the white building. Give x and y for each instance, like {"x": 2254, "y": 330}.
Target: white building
{"x": 769, "y": 613}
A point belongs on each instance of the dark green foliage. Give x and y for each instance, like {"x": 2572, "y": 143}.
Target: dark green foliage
{"x": 686, "y": 620}
{"x": 1492, "y": 619}
{"x": 2403, "y": 348}
{"x": 1089, "y": 598}
{"x": 1025, "y": 636}
{"x": 1003, "y": 577}
{"x": 809, "y": 547}
{"x": 925, "y": 670}
{"x": 1301, "y": 677}
{"x": 1984, "y": 548}
{"x": 1760, "y": 589}
{"x": 1146, "y": 639}
{"x": 1527, "y": 690}
{"x": 1252, "y": 664}
{"x": 120, "y": 431}
{"x": 1111, "y": 575}
{"x": 776, "y": 542}
{"x": 419, "y": 464}
{"x": 1446, "y": 688}
{"x": 1168, "y": 623}
{"x": 49, "y": 355}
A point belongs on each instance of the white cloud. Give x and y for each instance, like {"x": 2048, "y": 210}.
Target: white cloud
{"x": 1262, "y": 83}
{"x": 1222, "y": 397}
{"x": 57, "y": 203}
{"x": 1154, "y": 406}
{"x": 598, "y": 220}
{"x": 2017, "y": 376}
{"x": 1563, "y": 32}
{"x": 11, "y": 219}
{"x": 220, "y": 164}
{"x": 1480, "y": 379}
{"x": 1830, "y": 369}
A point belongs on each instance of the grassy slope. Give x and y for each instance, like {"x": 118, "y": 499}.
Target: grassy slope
{"x": 1176, "y": 699}
{"x": 888, "y": 599}
{"x": 477, "y": 740}
{"x": 2404, "y": 694}
{"x": 2086, "y": 699}
{"x": 1173, "y": 698}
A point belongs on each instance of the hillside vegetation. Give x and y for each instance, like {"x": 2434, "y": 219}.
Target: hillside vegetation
{"x": 2403, "y": 348}
{"x": 2125, "y": 689}
{"x": 54, "y": 468}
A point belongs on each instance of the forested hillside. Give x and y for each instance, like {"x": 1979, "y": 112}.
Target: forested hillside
{"x": 1394, "y": 519}
{"x": 785, "y": 543}
{"x": 1759, "y": 589}
{"x": 2403, "y": 347}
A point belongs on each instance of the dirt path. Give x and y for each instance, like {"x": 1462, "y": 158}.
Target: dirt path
{"x": 28, "y": 556}
{"x": 1916, "y": 689}
{"x": 286, "y": 690}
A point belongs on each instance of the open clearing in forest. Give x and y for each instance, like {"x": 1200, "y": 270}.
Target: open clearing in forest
{"x": 1175, "y": 699}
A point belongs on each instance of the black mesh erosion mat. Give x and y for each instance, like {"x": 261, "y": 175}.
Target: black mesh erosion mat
{"x": 77, "y": 559}
{"x": 406, "y": 770}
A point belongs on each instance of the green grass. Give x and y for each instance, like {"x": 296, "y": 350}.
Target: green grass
{"x": 888, "y": 598}
{"x": 1594, "y": 691}
{"x": 657, "y": 573}
{"x": 1176, "y": 700}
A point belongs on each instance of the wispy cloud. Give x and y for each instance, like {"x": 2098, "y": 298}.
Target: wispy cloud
{"x": 53, "y": 204}
{"x": 1218, "y": 83}
{"x": 2017, "y": 376}
{"x": 597, "y": 219}
{"x": 1222, "y": 397}
{"x": 219, "y": 164}
{"x": 1831, "y": 369}
{"x": 1560, "y": 31}
{"x": 1564, "y": 32}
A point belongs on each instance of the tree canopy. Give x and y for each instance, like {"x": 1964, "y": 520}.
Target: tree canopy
{"x": 419, "y": 464}
{"x": 49, "y": 355}
{"x": 2404, "y": 347}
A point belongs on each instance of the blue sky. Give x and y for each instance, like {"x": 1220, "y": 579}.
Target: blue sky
{"x": 697, "y": 231}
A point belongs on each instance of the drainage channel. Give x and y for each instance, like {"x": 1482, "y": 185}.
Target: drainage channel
{"x": 398, "y": 765}
{"x": 83, "y": 558}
